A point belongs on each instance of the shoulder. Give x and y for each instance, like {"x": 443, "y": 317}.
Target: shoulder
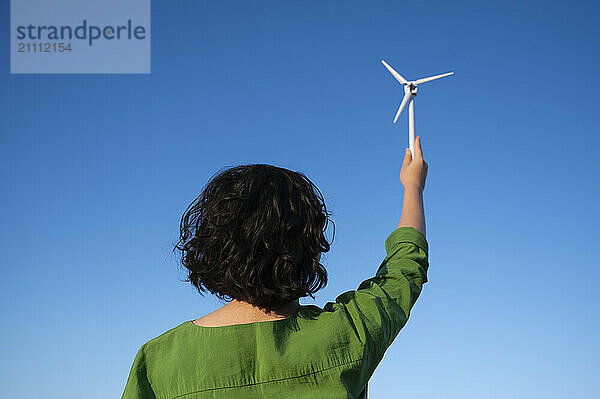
{"x": 165, "y": 340}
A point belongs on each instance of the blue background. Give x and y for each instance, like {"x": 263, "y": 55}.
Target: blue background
{"x": 97, "y": 169}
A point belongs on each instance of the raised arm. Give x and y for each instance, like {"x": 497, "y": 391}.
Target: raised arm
{"x": 412, "y": 177}
{"x": 400, "y": 278}
{"x": 381, "y": 305}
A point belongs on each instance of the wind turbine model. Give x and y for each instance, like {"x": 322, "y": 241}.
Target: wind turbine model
{"x": 410, "y": 91}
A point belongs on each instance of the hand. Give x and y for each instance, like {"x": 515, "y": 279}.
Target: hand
{"x": 414, "y": 171}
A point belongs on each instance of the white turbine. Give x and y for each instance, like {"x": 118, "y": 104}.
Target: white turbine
{"x": 410, "y": 91}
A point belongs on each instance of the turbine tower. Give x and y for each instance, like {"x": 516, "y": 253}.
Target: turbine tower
{"x": 410, "y": 91}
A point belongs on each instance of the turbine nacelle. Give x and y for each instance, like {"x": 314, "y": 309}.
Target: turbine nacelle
{"x": 411, "y": 88}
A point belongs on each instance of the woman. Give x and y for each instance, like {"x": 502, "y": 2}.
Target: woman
{"x": 254, "y": 237}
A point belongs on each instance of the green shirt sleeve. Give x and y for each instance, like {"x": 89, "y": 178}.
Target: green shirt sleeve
{"x": 138, "y": 386}
{"x": 381, "y": 305}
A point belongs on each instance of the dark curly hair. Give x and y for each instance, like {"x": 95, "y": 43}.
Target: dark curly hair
{"x": 255, "y": 234}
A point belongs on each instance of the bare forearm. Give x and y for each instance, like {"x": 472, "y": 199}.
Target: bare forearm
{"x": 413, "y": 214}
{"x": 412, "y": 177}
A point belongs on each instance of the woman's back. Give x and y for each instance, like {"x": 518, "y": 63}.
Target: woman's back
{"x": 314, "y": 353}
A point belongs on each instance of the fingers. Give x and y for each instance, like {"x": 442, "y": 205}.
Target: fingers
{"x": 407, "y": 157}
{"x": 418, "y": 150}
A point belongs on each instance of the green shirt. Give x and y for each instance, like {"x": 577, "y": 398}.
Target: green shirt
{"x": 328, "y": 352}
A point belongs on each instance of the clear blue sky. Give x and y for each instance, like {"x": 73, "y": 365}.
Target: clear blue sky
{"x": 97, "y": 169}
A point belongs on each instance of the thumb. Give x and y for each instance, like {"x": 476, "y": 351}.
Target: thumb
{"x": 407, "y": 157}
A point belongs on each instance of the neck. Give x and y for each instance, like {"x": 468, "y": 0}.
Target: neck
{"x": 240, "y": 312}
{"x": 276, "y": 311}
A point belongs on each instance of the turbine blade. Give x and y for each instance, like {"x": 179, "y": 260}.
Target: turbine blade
{"x": 429, "y": 79}
{"x": 405, "y": 100}
{"x": 398, "y": 77}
